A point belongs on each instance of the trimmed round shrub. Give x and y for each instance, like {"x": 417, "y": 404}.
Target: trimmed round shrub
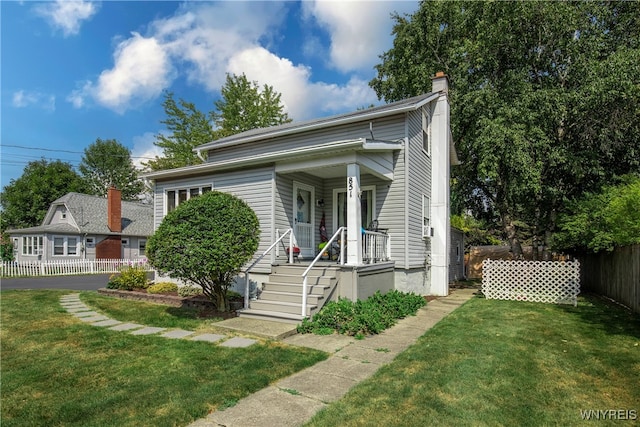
{"x": 162, "y": 287}
{"x": 206, "y": 240}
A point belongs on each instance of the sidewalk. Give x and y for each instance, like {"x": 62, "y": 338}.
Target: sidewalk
{"x": 292, "y": 401}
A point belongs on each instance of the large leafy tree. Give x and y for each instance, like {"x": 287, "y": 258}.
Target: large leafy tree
{"x": 188, "y": 127}
{"x": 245, "y": 106}
{"x": 603, "y": 220}
{"x": 206, "y": 240}
{"x": 545, "y": 100}
{"x": 107, "y": 163}
{"x": 25, "y": 200}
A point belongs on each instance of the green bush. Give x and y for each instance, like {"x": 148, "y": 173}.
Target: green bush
{"x": 372, "y": 316}
{"x": 130, "y": 278}
{"x": 206, "y": 240}
{"x": 189, "y": 290}
{"x": 162, "y": 287}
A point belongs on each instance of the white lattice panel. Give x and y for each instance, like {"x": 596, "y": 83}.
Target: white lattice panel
{"x": 553, "y": 282}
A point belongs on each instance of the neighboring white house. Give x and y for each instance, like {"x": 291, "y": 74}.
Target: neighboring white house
{"x": 384, "y": 168}
{"x": 80, "y": 226}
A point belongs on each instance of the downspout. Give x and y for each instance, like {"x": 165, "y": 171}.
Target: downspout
{"x": 200, "y": 156}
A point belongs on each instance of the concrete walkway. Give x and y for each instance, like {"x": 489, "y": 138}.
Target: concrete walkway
{"x": 292, "y": 401}
{"x": 75, "y": 307}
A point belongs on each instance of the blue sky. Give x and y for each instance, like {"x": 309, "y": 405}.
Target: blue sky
{"x": 75, "y": 71}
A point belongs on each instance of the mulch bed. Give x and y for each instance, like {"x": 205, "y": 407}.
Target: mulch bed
{"x": 206, "y": 309}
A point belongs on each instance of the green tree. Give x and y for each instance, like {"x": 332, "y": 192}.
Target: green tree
{"x": 545, "y": 101}
{"x": 25, "y": 200}
{"x": 107, "y": 163}
{"x": 206, "y": 240}
{"x": 6, "y": 248}
{"x": 245, "y": 106}
{"x": 188, "y": 128}
{"x": 603, "y": 220}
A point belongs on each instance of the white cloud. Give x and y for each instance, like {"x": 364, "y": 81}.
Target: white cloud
{"x": 359, "y": 30}
{"x": 204, "y": 41}
{"x": 303, "y": 99}
{"x": 141, "y": 71}
{"x": 67, "y": 15}
{"x": 23, "y": 99}
{"x": 144, "y": 149}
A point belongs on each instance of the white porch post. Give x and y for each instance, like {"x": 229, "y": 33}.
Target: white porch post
{"x": 354, "y": 217}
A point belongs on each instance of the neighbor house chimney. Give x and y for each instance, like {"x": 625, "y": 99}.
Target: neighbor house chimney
{"x": 440, "y": 82}
{"x": 114, "y": 210}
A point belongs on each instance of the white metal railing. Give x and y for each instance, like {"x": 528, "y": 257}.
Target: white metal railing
{"x": 269, "y": 249}
{"x": 339, "y": 233}
{"x": 375, "y": 247}
{"x": 69, "y": 267}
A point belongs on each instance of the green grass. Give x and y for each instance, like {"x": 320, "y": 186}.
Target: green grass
{"x": 503, "y": 363}
{"x": 57, "y": 370}
{"x": 147, "y": 313}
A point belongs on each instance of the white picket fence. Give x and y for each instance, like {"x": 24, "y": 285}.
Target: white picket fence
{"x": 69, "y": 267}
{"x": 555, "y": 282}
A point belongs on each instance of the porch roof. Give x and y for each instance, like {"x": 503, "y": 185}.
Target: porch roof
{"x": 324, "y": 153}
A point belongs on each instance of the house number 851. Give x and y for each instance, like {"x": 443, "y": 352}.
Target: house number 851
{"x": 350, "y": 187}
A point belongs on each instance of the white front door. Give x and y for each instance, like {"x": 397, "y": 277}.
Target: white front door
{"x": 304, "y": 218}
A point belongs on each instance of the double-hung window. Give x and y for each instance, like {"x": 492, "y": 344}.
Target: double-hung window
{"x": 63, "y": 245}
{"x": 426, "y": 130}
{"x": 32, "y": 245}
{"x": 175, "y": 196}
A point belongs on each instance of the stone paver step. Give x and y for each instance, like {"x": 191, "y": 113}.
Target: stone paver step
{"x": 74, "y": 306}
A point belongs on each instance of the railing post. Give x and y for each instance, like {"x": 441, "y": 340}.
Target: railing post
{"x": 246, "y": 290}
{"x": 304, "y": 297}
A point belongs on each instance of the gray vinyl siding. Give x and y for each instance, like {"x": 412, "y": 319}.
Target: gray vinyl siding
{"x": 386, "y": 129}
{"x": 392, "y": 213}
{"x": 419, "y": 185}
{"x": 254, "y": 186}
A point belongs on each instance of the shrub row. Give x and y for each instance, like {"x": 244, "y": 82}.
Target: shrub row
{"x": 130, "y": 278}
{"x": 371, "y": 316}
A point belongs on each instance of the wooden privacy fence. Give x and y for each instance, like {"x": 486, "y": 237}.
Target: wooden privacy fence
{"x": 615, "y": 275}
{"x": 553, "y": 282}
{"x": 69, "y": 267}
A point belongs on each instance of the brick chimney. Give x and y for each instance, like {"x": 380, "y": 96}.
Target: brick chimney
{"x": 440, "y": 82}
{"x": 114, "y": 210}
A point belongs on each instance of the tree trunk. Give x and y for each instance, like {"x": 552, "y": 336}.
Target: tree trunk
{"x": 512, "y": 237}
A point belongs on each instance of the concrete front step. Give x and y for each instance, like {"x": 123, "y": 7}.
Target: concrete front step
{"x": 298, "y": 269}
{"x": 297, "y": 278}
{"x": 283, "y": 307}
{"x": 295, "y": 288}
{"x": 252, "y": 313}
{"x": 269, "y": 295}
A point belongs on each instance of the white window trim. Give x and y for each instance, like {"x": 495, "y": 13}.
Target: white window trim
{"x": 426, "y": 130}
{"x": 334, "y": 208}
{"x": 426, "y": 214}
{"x": 177, "y": 188}
{"x": 140, "y": 252}
{"x": 35, "y": 242}
{"x": 65, "y": 246}
{"x": 124, "y": 241}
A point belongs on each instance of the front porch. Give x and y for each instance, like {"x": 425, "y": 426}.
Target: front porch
{"x": 284, "y": 297}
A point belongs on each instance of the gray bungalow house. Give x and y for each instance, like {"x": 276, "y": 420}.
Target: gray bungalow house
{"x": 80, "y": 226}
{"x": 374, "y": 181}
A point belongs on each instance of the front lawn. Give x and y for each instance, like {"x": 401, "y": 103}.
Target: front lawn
{"x": 57, "y": 370}
{"x": 504, "y": 363}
